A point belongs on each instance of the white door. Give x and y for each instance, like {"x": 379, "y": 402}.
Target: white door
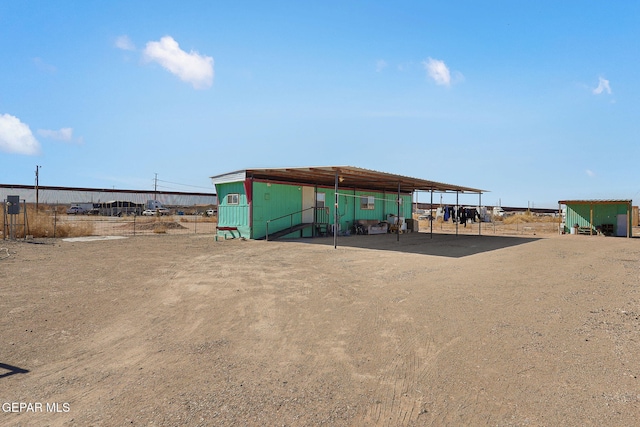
{"x": 308, "y": 201}
{"x": 621, "y": 229}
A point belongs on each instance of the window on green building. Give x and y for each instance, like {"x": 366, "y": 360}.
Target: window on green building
{"x": 367, "y": 202}
{"x": 233, "y": 199}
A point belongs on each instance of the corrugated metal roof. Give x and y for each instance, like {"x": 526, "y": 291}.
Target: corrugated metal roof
{"x": 593, "y": 202}
{"x": 65, "y": 195}
{"x": 349, "y": 176}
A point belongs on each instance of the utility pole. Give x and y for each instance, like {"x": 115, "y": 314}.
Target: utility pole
{"x": 155, "y": 188}
{"x": 37, "y": 169}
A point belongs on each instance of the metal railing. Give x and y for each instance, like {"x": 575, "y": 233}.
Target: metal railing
{"x": 290, "y": 215}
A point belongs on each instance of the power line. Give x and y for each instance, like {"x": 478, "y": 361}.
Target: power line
{"x": 184, "y": 185}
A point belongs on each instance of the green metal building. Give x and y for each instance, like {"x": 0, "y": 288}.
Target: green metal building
{"x": 607, "y": 217}
{"x": 301, "y": 202}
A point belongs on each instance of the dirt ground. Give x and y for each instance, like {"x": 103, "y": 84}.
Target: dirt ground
{"x": 496, "y": 330}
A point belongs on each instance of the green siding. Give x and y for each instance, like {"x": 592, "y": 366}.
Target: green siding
{"x": 233, "y": 215}
{"x": 274, "y": 201}
{"x": 349, "y": 208}
{"x": 602, "y": 214}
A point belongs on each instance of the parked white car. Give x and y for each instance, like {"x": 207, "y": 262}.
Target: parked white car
{"x": 76, "y": 210}
{"x": 154, "y": 212}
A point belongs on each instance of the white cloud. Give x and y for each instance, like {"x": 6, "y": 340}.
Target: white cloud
{"x": 590, "y": 172}
{"x": 16, "y": 137}
{"x": 438, "y": 71}
{"x": 189, "y": 67}
{"x": 603, "y": 86}
{"x": 64, "y": 134}
{"x": 125, "y": 43}
{"x": 381, "y": 64}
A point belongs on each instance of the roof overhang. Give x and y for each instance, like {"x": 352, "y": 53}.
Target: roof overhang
{"x": 348, "y": 176}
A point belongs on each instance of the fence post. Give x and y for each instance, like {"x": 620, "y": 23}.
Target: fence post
{"x": 55, "y": 220}
{"x": 134, "y": 223}
{"x": 195, "y": 226}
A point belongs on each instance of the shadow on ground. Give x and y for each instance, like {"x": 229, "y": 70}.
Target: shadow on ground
{"x": 10, "y": 370}
{"x": 446, "y": 245}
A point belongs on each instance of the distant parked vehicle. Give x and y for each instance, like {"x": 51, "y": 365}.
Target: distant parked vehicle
{"x": 154, "y": 212}
{"x": 76, "y": 210}
{"x": 211, "y": 212}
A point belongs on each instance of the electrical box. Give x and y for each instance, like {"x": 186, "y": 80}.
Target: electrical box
{"x": 13, "y": 205}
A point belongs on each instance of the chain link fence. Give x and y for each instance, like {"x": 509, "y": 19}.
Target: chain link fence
{"x": 498, "y": 227}
{"x": 135, "y": 225}
{"x": 52, "y": 222}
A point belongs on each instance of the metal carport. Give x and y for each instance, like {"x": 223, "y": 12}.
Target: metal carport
{"x": 360, "y": 178}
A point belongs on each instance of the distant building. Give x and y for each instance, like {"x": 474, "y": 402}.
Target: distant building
{"x": 73, "y": 195}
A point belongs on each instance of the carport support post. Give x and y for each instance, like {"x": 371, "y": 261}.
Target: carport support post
{"x": 398, "y": 219}
{"x": 560, "y": 228}
{"x": 431, "y": 215}
{"x": 335, "y": 216}
{"x": 480, "y": 208}
{"x": 457, "y": 212}
{"x": 629, "y": 220}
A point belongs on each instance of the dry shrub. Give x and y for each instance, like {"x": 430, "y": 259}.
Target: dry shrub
{"x": 199, "y": 219}
{"x": 44, "y": 224}
{"x": 74, "y": 230}
{"x": 40, "y": 224}
{"x": 146, "y": 219}
{"x": 159, "y": 225}
{"x": 160, "y": 229}
{"x": 527, "y": 217}
{"x": 60, "y": 210}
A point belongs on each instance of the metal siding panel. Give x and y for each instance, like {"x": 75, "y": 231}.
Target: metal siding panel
{"x": 577, "y": 214}
{"x": 607, "y": 214}
{"x": 273, "y": 201}
{"x": 233, "y": 215}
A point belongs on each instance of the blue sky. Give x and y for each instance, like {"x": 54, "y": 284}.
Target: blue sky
{"x": 533, "y": 101}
